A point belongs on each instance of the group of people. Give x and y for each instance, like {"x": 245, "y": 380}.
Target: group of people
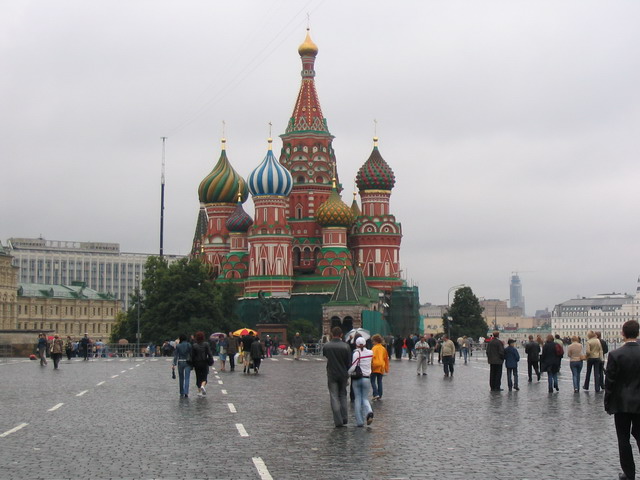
{"x": 363, "y": 366}
{"x": 57, "y": 347}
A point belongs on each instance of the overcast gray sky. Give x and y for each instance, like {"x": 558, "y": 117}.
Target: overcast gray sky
{"x": 512, "y": 127}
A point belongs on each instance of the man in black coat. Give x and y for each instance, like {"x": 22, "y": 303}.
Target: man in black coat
{"x": 532, "y": 349}
{"x": 622, "y": 395}
{"x": 495, "y": 357}
{"x": 338, "y": 356}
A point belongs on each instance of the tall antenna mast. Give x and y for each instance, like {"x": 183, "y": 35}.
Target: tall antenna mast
{"x": 164, "y": 139}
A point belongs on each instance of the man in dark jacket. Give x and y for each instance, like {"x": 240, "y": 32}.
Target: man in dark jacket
{"x": 622, "y": 395}
{"x": 532, "y": 349}
{"x": 495, "y": 357}
{"x": 338, "y": 356}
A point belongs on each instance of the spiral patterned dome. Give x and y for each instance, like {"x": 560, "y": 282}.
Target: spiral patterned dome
{"x": 270, "y": 178}
{"x": 223, "y": 183}
{"x": 334, "y": 212}
{"x": 239, "y": 221}
{"x": 375, "y": 174}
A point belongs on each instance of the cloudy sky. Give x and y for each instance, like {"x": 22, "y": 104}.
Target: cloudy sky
{"x": 513, "y": 127}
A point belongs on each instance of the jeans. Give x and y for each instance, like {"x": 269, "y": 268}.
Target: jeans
{"x": 447, "y": 363}
{"x": 576, "y": 368}
{"x": 627, "y": 423}
{"x": 42, "y": 355}
{"x": 232, "y": 361}
{"x": 184, "y": 373}
{"x": 376, "y": 384}
{"x": 465, "y": 353}
{"x": 362, "y": 405}
{"x": 422, "y": 363}
{"x": 552, "y": 378}
{"x": 431, "y": 351}
{"x": 338, "y": 396}
{"x": 593, "y": 363}
{"x": 512, "y": 377}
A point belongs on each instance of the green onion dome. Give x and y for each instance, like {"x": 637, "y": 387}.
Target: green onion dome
{"x": 375, "y": 174}
{"x": 223, "y": 183}
{"x": 334, "y": 212}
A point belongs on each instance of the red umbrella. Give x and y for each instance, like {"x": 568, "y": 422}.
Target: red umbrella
{"x": 244, "y": 331}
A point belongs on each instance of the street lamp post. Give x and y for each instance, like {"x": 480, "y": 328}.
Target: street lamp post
{"x": 138, "y": 308}
{"x": 450, "y": 318}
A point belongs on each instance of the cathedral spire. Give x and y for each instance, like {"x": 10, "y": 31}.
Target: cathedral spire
{"x": 307, "y": 115}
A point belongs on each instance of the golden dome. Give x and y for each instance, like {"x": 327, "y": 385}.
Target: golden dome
{"x": 308, "y": 47}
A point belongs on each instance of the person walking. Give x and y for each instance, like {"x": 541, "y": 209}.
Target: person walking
{"x": 603, "y": 357}
{"x": 511, "y": 359}
{"x": 397, "y": 347}
{"x": 201, "y": 359}
{"x": 409, "y": 343}
{"x": 85, "y": 343}
{"x": 622, "y": 395}
{"x": 57, "y": 347}
{"x": 448, "y": 351}
{"x": 298, "y": 344}
{"x": 256, "y": 354}
{"x": 232, "y": 349}
{"x": 246, "y": 341}
{"x": 182, "y": 359}
{"x": 432, "y": 348}
{"x": 338, "y": 355}
{"x": 532, "y": 349}
{"x": 550, "y": 362}
{"x": 422, "y": 354}
{"x": 495, "y": 358}
{"x": 574, "y": 352}
{"x": 362, "y": 357}
{"x": 379, "y": 365}
{"x": 42, "y": 349}
{"x": 464, "y": 348}
{"x": 594, "y": 357}
{"x": 222, "y": 351}
{"x": 68, "y": 347}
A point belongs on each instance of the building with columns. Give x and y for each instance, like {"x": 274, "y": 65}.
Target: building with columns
{"x": 302, "y": 235}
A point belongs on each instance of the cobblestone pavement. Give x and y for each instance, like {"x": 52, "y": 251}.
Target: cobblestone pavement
{"x": 123, "y": 419}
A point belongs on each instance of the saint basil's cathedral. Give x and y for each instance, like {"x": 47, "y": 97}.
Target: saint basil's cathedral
{"x": 304, "y": 246}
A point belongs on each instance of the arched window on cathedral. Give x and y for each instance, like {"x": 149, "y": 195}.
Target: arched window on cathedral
{"x": 371, "y": 269}
{"x": 300, "y": 179}
{"x": 296, "y": 257}
{"x": 298, "y": 211}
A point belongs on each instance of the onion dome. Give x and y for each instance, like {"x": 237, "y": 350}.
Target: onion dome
{"x": 334, "y": 212}
{"x": 355, "y": 209}
{"x": 270, "y": 178}
{"x": 308, "y": 47}
{"x": 375, "y": 174}
{"x": 239, "y": 220}
{"x": 223, "y": 183}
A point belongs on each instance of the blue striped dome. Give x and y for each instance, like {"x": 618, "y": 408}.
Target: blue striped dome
{"x": 270, "y": 178}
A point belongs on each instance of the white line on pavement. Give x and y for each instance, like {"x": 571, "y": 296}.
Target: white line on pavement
{"x": 101, "y": 383}
{"x": 232, "y": 408}
{"x": 241, "y": 430}
{"x": 81, "y": 393}
{"x": 290, "y": 359}
{"x": 55, "y": 407}
{"x": 319, "y": 359}
{"x": 217, "y": 376}
{"x": 262, "y": 468}
{"x": 123, "y": 371}
{"x": 15, "y": 429}
{"x": 219, "y": 382}
{"x": 124, "y": 360}
{"x": 304, "y": 359}
{"x": 131, "y": 368}
{"x": 224, "y": 392}
{"x": 114, "y": 376}
{"x": 273, "y": 359}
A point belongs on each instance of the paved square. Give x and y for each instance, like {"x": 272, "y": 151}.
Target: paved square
{"x": 123, "y": 419}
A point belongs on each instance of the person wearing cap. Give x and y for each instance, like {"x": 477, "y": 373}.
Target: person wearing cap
{"x": 57, "y": 347}
{"x": 362, "y": 357}
{"x": 511, "y": 359}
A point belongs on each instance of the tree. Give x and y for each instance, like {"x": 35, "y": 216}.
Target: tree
{"x": 306, "y": 328}
{"x": 466, "y": 313}
{"x": 177, "y": 298}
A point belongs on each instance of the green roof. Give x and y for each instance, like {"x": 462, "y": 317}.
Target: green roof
{"x": 61, "y": 291}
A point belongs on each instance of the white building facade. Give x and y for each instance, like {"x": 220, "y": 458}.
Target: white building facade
{"x": 101, "y": 266}
{"x": 605, "y": 313}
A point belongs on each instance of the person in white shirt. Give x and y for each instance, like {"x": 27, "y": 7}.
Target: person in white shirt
{"x": 362, "y": 357}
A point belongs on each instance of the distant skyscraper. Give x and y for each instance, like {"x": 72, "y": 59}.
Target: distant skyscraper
{"x": 516, "y": 300}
